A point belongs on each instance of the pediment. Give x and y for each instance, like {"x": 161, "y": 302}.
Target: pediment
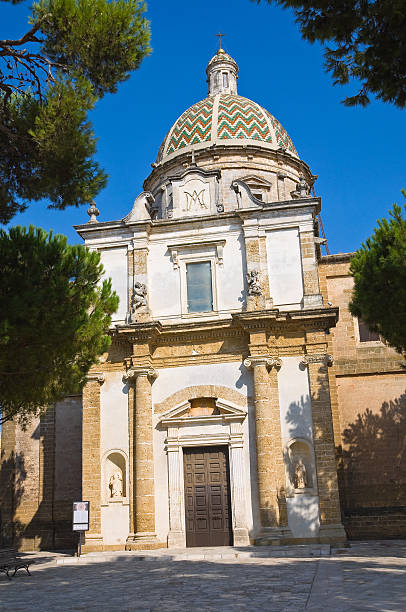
{"x": 225, "y": 411}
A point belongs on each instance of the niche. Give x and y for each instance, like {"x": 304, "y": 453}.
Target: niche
{"x": 115, "y": 477}
{"x": 300, "y": 466}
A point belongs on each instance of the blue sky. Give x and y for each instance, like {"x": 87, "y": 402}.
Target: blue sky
{"x": 357, "y": 153}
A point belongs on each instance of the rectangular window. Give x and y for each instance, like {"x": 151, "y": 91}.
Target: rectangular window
{"x": 365, "y": 334}
{"x": 225, "y": 79}
{"x": 199, "y": 287}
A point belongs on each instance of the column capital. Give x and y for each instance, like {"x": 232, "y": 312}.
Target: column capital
{"x": 264, "y": 360}
{"x": 95, "y": 377}
{"x": 323, "y": 358}
{"x": 132, "y": 374}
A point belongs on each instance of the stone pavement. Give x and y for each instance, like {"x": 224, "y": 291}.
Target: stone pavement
{"x": 367, "y": 576}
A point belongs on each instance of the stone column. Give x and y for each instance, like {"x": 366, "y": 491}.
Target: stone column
{"x": 91, "y": 459}
{"x": 271, "y": 472}
{"x": 311, "y": 287}
{"x": 142, "y": 534}
{"x": 331, "y": 528}
{"x": 176, "y": 535}
{"x": 240, "y": 529}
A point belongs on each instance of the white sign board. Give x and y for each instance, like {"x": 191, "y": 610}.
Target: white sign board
{"x": 81, "y": 516}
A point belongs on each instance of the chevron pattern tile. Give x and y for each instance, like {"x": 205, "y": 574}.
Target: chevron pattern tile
{"x": 240, "y": 118}
{"x": 192, "y": 127}
{"x": 281, "y": 134}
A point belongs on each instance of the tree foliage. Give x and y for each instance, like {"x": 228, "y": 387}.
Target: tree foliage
{"x": 364, "y": 40}
{"x": 74, "y": 53}
{"x": 54, "y": 318}
{"x": 379, "y": 271}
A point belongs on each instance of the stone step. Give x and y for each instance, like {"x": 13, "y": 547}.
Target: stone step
{"x": 197, "y": 554}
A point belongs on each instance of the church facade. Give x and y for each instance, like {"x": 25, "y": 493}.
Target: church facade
{"x": 219, "y": 414}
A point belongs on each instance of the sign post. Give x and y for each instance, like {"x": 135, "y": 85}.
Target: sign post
{"x": 80, "y": 520}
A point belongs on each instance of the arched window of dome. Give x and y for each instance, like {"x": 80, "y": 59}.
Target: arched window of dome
{"x": 225, "y": 80}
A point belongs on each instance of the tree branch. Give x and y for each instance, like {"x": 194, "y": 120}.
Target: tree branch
{"x": 28, "y": 37}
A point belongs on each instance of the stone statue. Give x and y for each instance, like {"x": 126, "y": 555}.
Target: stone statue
{"x": 116, "y": 485}
{"x": 302, "y": 188}
{"x": 139, "y": 296}
{"x": 300, "y": 475}
{"x": 254, "y": 288}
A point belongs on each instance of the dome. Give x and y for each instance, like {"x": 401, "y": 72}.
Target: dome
{"x": 224, "y": 117}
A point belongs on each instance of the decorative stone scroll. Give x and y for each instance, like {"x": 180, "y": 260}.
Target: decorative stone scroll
{"x": 323, "y": 358}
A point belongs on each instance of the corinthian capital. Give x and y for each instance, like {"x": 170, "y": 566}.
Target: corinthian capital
{"x": 264, "y": 360}
{"x": 132, "y": 374}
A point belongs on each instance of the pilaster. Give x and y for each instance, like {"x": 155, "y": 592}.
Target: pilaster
{"x": 331, "y": 528}
{"x": 270, "y": 466}
{"x": 142, "y": 500}
{"x": 311, "y": 287}
{"x": 138, "y": 301}
{"x": 91, "y": 460}
{"x": 258, "y": 296}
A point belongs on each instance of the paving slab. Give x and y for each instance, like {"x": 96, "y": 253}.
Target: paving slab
{"x": 368, "y": 576}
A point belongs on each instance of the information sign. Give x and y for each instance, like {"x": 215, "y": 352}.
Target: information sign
{"x": 81, "y": 516}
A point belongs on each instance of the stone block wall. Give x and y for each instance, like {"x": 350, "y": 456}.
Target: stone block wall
{"x": 35, "y": 513}
{"x": 370, "y": 383}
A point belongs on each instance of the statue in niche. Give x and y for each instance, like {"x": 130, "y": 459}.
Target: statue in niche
{"x": 300, "y": 475}
{"x": 139, "y": 297}
{"x": 254, "y": 288}
{"x": 116, "y": 485}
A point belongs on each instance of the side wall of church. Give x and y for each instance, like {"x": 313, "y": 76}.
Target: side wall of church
{"x": 371, "y": 390}
{"x": 41, "y": 477}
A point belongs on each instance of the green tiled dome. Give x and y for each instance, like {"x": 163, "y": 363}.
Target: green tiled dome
{"x": 225, "y": 117}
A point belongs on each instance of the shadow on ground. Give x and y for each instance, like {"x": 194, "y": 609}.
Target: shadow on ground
{"x": 353, "y": 581}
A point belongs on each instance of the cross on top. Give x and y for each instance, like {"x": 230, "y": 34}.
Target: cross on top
{"x": 220, "y": 36}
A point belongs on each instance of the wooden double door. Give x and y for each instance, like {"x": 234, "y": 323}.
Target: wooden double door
{"x": 207, "y": 496}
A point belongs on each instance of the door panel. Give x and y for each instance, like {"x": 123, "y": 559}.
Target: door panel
{"x": 207, "y": 496}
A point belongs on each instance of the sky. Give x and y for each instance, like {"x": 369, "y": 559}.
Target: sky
{"x": 358, "y": 153}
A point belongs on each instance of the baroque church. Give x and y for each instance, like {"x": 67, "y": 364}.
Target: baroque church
{"x": 240, "y": 402}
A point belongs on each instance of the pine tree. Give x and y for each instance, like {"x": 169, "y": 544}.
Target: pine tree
{"x": 379, "y": 271}
{"x": 365, "y": 41}
{"x": 54, "y": 318}
{"x": 74, "y": 53}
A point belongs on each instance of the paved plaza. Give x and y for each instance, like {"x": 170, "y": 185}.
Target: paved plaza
{"x": 365, "y": 576}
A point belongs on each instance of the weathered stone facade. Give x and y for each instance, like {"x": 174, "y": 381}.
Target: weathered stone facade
{"x": 271, "y": 370}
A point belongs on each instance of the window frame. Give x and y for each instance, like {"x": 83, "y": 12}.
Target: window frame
{"x": 191, "y": 263}
{"x": 197, "y": 258}
{"x": 183, "y": 253}
{"x": 365, "y": 343}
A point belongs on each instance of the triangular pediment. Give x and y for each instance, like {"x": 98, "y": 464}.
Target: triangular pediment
{"x": 224, "y": 410}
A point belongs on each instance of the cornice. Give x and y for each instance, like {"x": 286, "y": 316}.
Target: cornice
{"x": 236, "y": 326}
{"x": 336, "y": 258}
